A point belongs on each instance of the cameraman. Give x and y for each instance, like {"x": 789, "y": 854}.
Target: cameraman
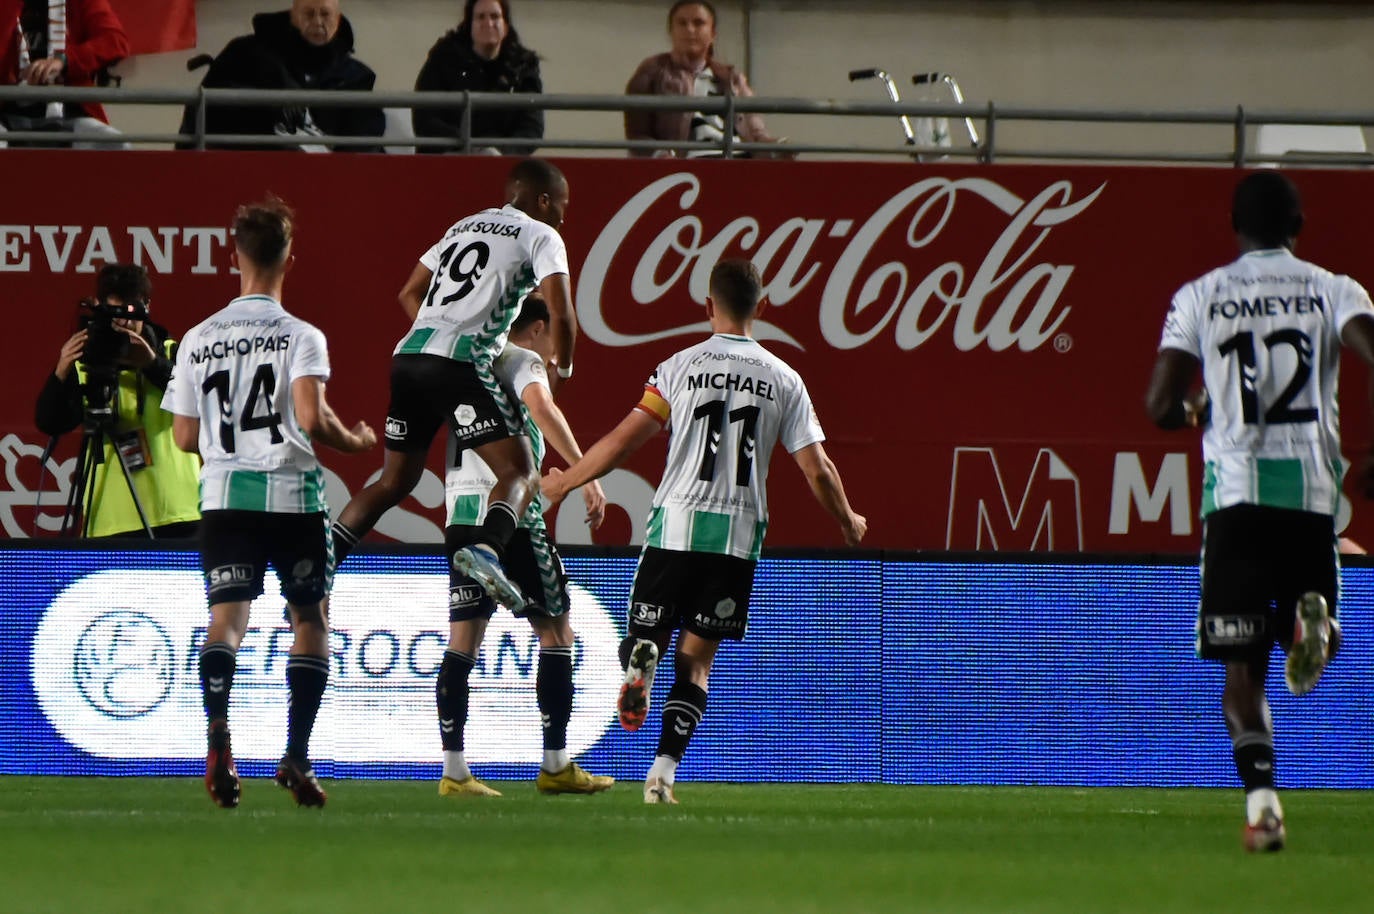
{"x": 167, "y": 478}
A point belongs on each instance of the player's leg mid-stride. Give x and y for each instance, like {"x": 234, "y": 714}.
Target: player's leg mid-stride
{"x": 640, "y": 664}
{"x": 1315, "y": 636}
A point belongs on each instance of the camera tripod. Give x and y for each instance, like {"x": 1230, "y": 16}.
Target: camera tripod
{"x": 97, "y": 423}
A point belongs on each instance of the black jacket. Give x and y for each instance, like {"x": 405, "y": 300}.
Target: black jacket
{"x": 453, "y": 66}
{"x": 59, "y": 408}
{"x": 275, "y": 56}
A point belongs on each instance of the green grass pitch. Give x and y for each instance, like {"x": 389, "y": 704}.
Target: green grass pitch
{"x": 158, "y": 844}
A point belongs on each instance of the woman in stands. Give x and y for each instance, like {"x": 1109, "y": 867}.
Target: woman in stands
{"x": 483, "y": 54}
{"x": 690, "y": 68}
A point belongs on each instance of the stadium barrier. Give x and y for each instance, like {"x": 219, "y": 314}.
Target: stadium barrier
{"x": 886, "y": 667}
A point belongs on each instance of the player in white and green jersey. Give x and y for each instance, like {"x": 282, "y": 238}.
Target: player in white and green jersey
{"x": 247, "y": 393}
{"x": 1266, "y": 332}
{"x": 532, "y": 562}
{"x": 727, "y": 402}
{"x": 462, "y": 296}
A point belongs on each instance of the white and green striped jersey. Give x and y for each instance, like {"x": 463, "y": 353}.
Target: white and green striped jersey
{"x": 468, "y": 480}
{"x": 482, "y": 269}
{"x": 234, "y": 373}
{"x": 727, "y": 402}
{"x": 1267, "y": 330}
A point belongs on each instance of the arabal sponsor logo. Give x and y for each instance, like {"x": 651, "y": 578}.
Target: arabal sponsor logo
{"x": 115, "y": 672}
{"x": 1007, "y": 299}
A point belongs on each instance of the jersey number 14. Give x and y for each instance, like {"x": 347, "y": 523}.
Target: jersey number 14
{"x": 264, "y": 382}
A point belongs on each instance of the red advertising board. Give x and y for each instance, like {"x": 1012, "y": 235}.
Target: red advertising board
{"x": 977, "y": 340}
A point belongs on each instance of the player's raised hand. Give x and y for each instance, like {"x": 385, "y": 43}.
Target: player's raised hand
{"x": 552, "y": 485}
{"x": 364, "y": 437}
{"x": 594, "y": 497}
{"x": 854, "y": 528}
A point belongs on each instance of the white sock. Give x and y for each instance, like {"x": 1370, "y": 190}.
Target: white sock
{"x": 555, "y": 760}
{"x": 1257, "y": 801}
{"x": 664, "y": 768}
{"x": 455, "y": 766}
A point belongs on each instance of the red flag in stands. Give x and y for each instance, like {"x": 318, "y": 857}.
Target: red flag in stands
{"x": 157, "y": 25}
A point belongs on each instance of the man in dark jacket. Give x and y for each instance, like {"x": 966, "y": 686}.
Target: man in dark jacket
{"x": 308, "y": 47}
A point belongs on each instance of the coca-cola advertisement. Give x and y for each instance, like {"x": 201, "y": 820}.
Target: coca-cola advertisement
{"x": 976, "y": 339}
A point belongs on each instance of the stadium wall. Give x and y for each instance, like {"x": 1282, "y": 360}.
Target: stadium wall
{"x": 889, "y": 667}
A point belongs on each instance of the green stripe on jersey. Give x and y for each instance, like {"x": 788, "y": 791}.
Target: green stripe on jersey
{"x": 246, "y": 490}
{"x": 760, "y": 527}
{"x": 654, "y": 535}
{"x": 1209, "y": 488}
{"x": 710, "y": 532}
{"x": 462, "y": 349}
{"x": 467, "y": 511}
{"x": 415, "y": 340}
{"x": 1280, "y": 483}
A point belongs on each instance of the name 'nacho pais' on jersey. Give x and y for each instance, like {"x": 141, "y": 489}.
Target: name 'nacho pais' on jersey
{"x": 483, "y": 268}
{"x": 727, "y": 402}
{"x": 468, "y": 480}
{"x": 234, "y": 372}
{"x": 1267, "y": 330}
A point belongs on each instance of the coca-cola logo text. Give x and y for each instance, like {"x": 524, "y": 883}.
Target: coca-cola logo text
{"x": 1005, "y": 300}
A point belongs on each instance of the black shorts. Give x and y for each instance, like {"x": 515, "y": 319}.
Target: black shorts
{"x": 1256, "y": 563}
{"x": 428, "y": 391}
{"x": 531, "y": 561}
{"x": 699, "y": 592}
{"x": 237, "y": 546}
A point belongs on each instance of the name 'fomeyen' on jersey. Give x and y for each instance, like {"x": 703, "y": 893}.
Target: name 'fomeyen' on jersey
{"x": 727, "y": 402}
{"x": 468, "y": 480}
{"x": 1267, "y": 330}
{"x": 483, "y": 268}
{"x": 234, "y": 372}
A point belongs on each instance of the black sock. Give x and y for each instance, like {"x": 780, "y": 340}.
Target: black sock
{"x": 344, "y": 541}
{"x": 498, "y": 527}
{"x": 554, "y": 687}
{"x": 1254, "y": 755}
{"x": 451, "y": 697}
{"x": 681, "y": 714}
{"x": 217, "y": 662}
{"x": 305, "y": 680}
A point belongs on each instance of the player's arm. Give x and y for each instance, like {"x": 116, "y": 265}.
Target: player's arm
{"x": 604, "y": 456}
{"x": 413, "y": 292}
{"x": 1358, "y": 336}
{"x": 320, "y": 422}
{"x": 828, "y": 488}
{"x": 551, "y": 421}
{"x": 557, "y": 294}
{"x": 186, "y": 433}
{"x": 1167, "y": 400}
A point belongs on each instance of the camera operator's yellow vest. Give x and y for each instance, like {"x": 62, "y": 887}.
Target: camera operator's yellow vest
{"x": 169, "y": 487}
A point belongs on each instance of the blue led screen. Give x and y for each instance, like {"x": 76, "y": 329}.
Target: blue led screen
{"x": 899, "y": 670}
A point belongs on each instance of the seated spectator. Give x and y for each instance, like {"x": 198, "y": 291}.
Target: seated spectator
{"x": 43, "y": 44}
{"x": 308, "y": 47}
{"x": 483, "y": 54}
{"x": 690, "y": 68}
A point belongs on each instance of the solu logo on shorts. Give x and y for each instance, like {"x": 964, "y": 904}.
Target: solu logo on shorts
{"x": 395, "y": 428}
{"x": 464, "y": 595}
{"x": 646, "y": 613}
{"x": 229, "y": 575}
{"x": 1233, "y": 629}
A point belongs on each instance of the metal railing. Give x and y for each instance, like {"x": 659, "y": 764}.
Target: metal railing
{"x": 990, "y": 116}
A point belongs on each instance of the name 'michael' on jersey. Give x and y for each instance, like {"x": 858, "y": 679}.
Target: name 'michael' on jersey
{"x": 727, "y": 402}
{"x": 234, "y": 372}
{"x": 482, "y": 268}
{"x": 1267, "y": 330}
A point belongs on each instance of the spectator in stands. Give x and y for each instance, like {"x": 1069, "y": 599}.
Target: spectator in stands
{"x": 483, "y": 54}
{"x": 690, "y": 68}
{"x": 43, "y": 44}
{"x": 308, "y": 47}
